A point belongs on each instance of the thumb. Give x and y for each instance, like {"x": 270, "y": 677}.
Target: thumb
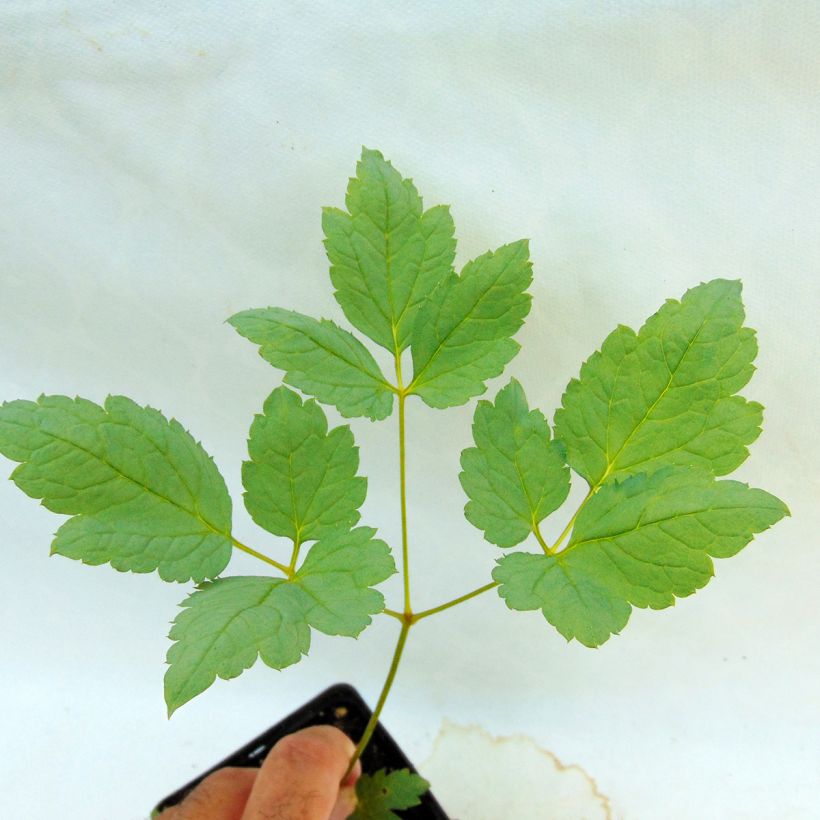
{"x": 346, "y": 802}
{"x": 345, "y": 805}
{"x": 301, "y": 776}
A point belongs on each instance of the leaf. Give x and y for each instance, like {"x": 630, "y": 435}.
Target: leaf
{"x": 386, "y": 254}
{"x": 514, "y": 476}
{"x": 463, "y": 332}
{"x": 301, "y": 481}
{"x": 378, "y": 793}
{"x": 336, "y": 578}
{"x": 319, "y": 358}
{"x": 225, "y": 626}
{"x": 640, "y": 541}
{"x": 144, "y": 494}
{"x": 666, "y": 395}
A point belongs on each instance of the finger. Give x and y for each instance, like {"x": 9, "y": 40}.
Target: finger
{"x": 299, "y": 779}
{"x": 220, "y": 796}
{"x": 345, "y": 804}
{"x": 355, "y": 774}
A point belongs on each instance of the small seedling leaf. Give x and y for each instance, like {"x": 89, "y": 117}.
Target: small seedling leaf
{"x": 379, "y": 793}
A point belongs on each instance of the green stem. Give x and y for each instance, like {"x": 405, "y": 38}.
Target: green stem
{"x": 405, "y": 553}
{"x": 571, "y": 523}
{"x": 540, "y": 538}
{"x": 455, "y": 602}
{"x": 407, "y": 617}
{"x": 297, "y": 543}
{"x": 407, "y": 620}
{"x": 405, "y": 556}
{"x": 239, "y": 545}
{"x": 374, "y": 718}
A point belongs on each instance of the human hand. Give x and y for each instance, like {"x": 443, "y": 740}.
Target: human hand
{"x": 299, "y": 780}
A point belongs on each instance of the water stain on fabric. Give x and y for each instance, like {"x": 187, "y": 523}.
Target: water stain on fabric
{"x": 481, "y": 777}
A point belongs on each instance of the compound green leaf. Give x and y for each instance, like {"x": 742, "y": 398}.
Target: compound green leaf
{"x": 514, "y": 476}
{"x": 143, "y": 493}
{"x": 301, "y": 481}
{"x": 463, "y": 333}
{"x": 319, "y": 358}
{"x": 225, "y": 626}
{"x": 641, "y": 541}
{"x": 386, "y": 253}
{"x": 379, "y": 793}
{"x": 666, "y": 394}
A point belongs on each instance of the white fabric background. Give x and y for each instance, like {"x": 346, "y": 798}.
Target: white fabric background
{"x": 164, "y": 165}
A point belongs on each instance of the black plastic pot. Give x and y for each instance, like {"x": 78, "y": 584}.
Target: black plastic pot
{"x": 341, "y": 706}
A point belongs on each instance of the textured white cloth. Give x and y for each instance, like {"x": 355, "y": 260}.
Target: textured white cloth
{"x": 163, "y": 165}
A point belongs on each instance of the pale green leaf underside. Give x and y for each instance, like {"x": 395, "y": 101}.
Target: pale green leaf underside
{"x": 514, "y": 476}
{"x": 463, "y": 333}
{"x": 666, "y": 395}
{"x": 301, "y": 480}
{"x": 642, "y": 541}
{"x": 379, "y": 793}
{"x": 226, "y": 625}
{"x": 386, "y": 253}
{"x": 336, "y": 580}
{"x": 144, "y": 494}
{"x": 319, "y": 358}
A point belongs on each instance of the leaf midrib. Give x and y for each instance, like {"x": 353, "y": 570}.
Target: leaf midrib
{"x": 690, "y": 344}
{"x": 465, "y": 317}
{"x": 276, "y": 583}
{"x": 193, "y": 513}
{"x": 656, "y": 521}
{"x": 357, "y": 365}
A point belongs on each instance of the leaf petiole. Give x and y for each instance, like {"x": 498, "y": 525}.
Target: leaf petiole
{"x": 281, "y": 567}
{"x": 413, "y": 617}
{"x": 571, "y": 523}
{"x": 297, "y": 543}
{"x": 536, "y": 530}
{"x": 455, "y": 602}
{"x": 405, "y": 558}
